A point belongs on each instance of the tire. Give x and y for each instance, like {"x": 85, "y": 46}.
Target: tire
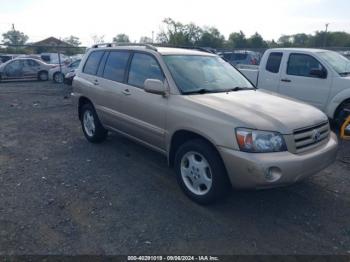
{"x": 43, "y": 76}
{"x": 341, "y": 115}
{"x": 91, "y": 125}
{"x": 58, "y": 77}
{"x": 200, "y": 172}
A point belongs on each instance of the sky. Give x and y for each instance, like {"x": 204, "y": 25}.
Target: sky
{"x": 40, "y": 19}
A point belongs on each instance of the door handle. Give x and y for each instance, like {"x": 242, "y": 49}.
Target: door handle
{"x": 96, "y": 83}
{"x": 286, "y": 80}
{"x": 126, "y": 92}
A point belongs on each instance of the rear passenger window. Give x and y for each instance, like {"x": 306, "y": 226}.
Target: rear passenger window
{"x": 115, "y": 66}
{"x": 143, "y": 67}
{"x": 274, "y": 62}
{"x": 93, "y": 62}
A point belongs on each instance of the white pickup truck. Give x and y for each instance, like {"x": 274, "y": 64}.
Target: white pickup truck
{"x": 318, "y": 77}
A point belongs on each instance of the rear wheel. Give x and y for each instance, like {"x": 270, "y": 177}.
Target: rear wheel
{"x": 200, "y": 172}
{"x": 91, "y": 125}
{"x": 43, "y": 76}
{"x": 58, "y": 77}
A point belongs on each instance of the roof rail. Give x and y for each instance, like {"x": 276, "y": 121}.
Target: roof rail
{"x": 148, "y": 46}
{"x": 198, "y": 48}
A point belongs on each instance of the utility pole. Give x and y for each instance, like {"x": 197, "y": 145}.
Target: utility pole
{"x": 152, "y": 37}
{"x": 325, "y": 35}
{"x": 15, "y": 37}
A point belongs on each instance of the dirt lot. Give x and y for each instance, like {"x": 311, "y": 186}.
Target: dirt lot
{"x": 60, "y": 194}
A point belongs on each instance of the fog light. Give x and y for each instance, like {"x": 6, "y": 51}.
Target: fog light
{"x": 273, "y": 174}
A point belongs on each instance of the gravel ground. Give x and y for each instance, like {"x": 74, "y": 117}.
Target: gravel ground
{"x": 60, "y": 194}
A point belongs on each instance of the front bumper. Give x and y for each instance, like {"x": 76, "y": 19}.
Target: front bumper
{"x": 249, "y": 170}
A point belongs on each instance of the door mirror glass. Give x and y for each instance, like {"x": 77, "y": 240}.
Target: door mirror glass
{"x": 315, "y": 72}
{"x": 154, "y": 86}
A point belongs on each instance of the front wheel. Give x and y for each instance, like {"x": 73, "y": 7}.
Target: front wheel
{"x": 341, "y": 115}
{"x": 91, "y": 125}
{"x": 43, "y": 76}
{"x": 58, "y": 77}
{"x": 200, "y": 172}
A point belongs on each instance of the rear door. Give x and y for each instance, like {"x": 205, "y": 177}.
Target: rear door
{"x": 297, "y": 82}
{"x": 269, "y": 77}
{"x": 111, "y": 83}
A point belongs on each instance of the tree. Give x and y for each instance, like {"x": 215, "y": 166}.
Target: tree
{"x": 98, "y": 39}
{"x": 177, "y": 33}
{"x": 256, "y": 41}
{"x": 72, "y": 40}
{"x": 145, "y": 39}
{"x": 121, "y": 38}
{"x": 237, "y": 40}
{"x": 300, "y": 40}
{"x": 211, "y": 37}
{"x": 14, "y": 37}
{"x": 285, "y": 41}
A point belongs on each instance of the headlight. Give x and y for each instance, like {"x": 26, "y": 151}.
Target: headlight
{"x": 256, "y": 141}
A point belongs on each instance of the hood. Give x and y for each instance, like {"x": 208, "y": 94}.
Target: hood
{"x": 260, "y": 109}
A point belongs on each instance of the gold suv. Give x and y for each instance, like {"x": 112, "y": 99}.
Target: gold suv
{"x": 216, "y": 129}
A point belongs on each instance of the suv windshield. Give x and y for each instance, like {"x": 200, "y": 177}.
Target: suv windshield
{"x": 338, "y": 62}
{"x": 193, "y": 73}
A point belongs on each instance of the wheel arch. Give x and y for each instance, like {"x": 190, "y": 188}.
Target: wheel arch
{"x": 182, "y": 136}
{"x": 83, "y": 100}
{"x": 337, "y": 102}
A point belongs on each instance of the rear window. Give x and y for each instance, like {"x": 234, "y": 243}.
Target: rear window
{"x": 46, "y": 58}
{"x": 274, "y": 62}
{"x": 239, "y": 56}
{"x": 115, "y": 66}
{"x": 93, "y": 62}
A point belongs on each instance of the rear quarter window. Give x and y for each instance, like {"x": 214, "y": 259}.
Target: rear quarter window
{"x": 274, "y": 62}
{"x": 93, "y": 62}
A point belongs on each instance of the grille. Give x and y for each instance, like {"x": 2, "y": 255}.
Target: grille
{"x": 310, "y": 137}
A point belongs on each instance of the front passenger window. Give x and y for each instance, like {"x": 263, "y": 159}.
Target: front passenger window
{"x": 143, "y": 67}
{"x": 302, "y": 65}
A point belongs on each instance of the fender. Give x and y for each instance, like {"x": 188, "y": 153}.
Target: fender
{"x": 336, "y": 101}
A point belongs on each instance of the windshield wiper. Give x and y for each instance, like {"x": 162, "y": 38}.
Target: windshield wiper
{"x": 239, "y": 88}
{"x": 204, "y": 90}
{"x": 344, "y": 73}
{"x": 199, "y": 91}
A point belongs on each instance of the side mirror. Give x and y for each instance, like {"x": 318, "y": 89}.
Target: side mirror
{"x": 319, "y": 73}
{"x": 154, "y": 86}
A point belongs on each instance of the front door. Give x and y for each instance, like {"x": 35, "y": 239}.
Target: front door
{"x": 144, "y": 113}
{"x": 297, "y": 80}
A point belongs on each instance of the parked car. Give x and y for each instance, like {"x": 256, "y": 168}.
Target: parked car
{"x": 6, "y": 57}
{"x": 68, "y": 79}
{"x": 54, "y": 58}
{"x": 318, "y": 77}
{"x": 215, "y": 128}
{"x": 24, "y": 68}
{"x": 241, "y": 57}
{"x": 57, "y": 73}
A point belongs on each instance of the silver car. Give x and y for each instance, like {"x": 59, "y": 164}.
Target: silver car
{"x": 57, "y": 74}
{"x": 214, "y": 127}
{"x": 24, "y": 68}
